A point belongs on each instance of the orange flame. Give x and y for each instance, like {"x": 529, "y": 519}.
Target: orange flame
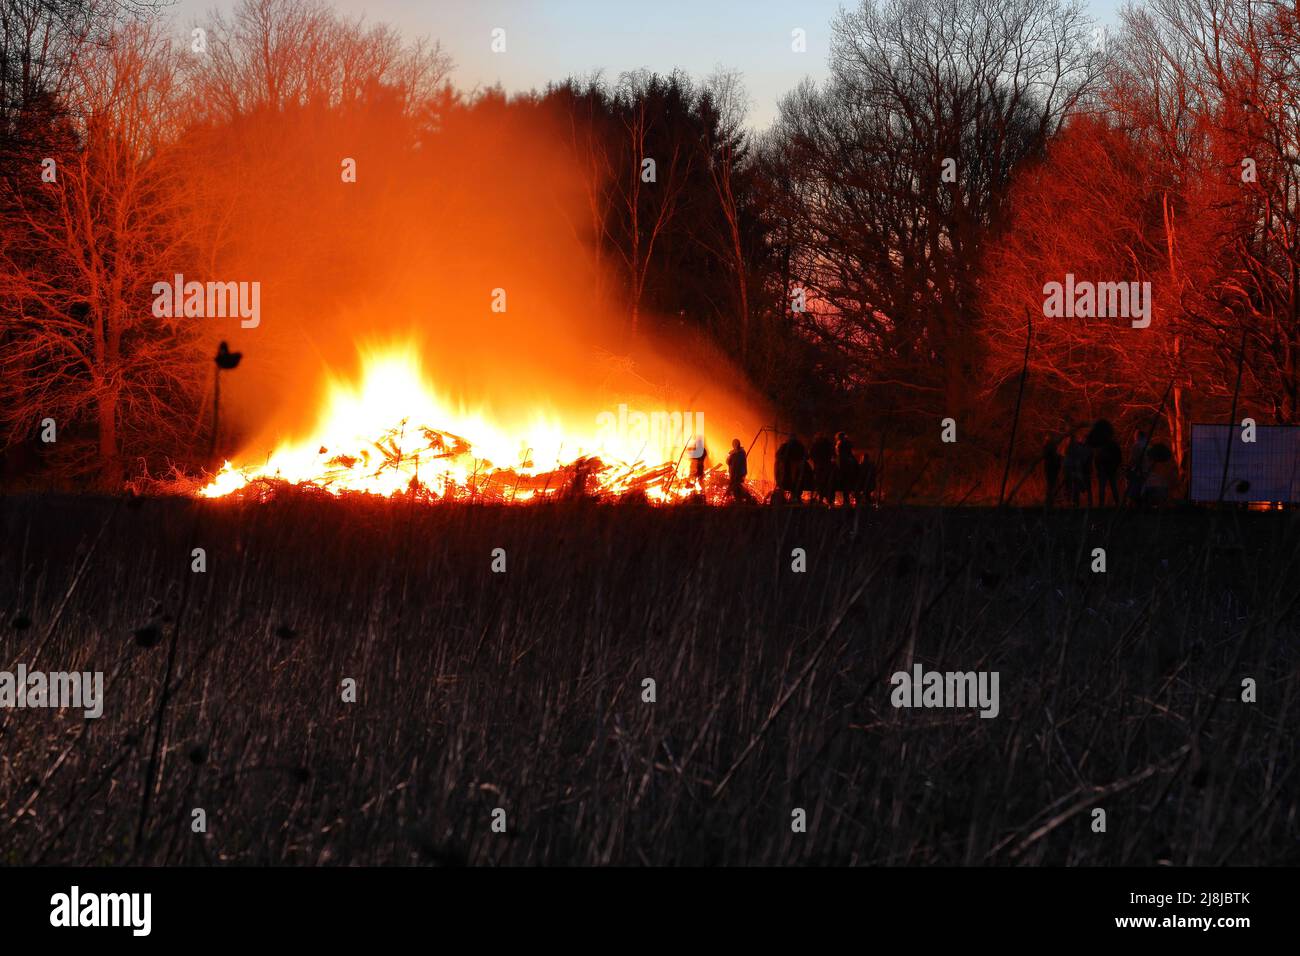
{"x": 392, "y": 433}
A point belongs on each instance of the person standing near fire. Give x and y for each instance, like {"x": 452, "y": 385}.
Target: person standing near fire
{"x": 699, "y": 454}
{"x": 1108, "y": 457}
{"x": 1078, "y": 468}
{"x": 846, "y": 471}
{"x": 822, "y": 454}
{"x": 737, "y": 469}
{"x": 791, "y": 469}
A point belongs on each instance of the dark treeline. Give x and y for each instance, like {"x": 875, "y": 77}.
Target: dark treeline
{"x": 872, "y": 262}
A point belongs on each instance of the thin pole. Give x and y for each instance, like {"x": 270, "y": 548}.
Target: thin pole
{"x": 1232, "y": 419}
{"x": 216, "y": 406}
{"x": 1015, "y": 420}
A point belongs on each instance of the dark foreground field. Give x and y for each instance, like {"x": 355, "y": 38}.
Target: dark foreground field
{"x": 523, "y": 690}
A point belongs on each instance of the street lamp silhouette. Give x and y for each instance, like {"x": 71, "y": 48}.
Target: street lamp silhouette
{"x": 226, "y": 360}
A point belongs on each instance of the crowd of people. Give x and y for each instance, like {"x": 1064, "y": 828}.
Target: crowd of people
{"x": 1150, "y": 472}
{"x": 828, "y": 471}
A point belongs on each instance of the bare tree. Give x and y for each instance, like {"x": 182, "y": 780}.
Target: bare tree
{"x": 584, "y": 107}
{"x": 650, "y": 194}
{"x": 900, "y": 166}
{"x": 1220, "y": 99}
{"x": 79, "y": 255}
{"x": 269, "y": 55}
{"x": 725, "y": 94}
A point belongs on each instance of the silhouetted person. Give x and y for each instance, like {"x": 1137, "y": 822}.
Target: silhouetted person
{"x": 1078, "y": 470}
{"x": 846, "y": 470}
{"x": 1051, "y": 469}
{"x": 791, "y": 467}
{"x": 1108, "y": 457}
{"x": 699, "y": 454}
{"x": 822, "y": 454}
{"x": 737, "y": 469}
{"x": 866, "y": 479}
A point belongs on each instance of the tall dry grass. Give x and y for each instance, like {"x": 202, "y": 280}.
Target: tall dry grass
{"x": 523, "y": 690}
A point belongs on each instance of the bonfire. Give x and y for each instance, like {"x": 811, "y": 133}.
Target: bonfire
{"x": 392, "y": 434}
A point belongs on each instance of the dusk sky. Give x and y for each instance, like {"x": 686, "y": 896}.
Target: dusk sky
{"x": 551, "y": 39}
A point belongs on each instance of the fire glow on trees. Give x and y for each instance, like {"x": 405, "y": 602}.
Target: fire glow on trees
{"x": 391, "y": 433}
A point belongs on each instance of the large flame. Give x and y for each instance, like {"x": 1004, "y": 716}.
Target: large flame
{"x": 392, "y": 433}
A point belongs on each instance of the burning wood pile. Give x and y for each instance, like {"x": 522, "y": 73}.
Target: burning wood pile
{"x": 444, "y": 467}
{"x": 408, "y": 456}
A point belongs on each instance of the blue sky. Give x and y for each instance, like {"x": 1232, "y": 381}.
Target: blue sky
{"x": 552, "y": 39}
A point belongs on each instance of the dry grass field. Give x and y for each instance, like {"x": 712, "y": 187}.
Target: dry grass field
{"x": 524, "y": 690}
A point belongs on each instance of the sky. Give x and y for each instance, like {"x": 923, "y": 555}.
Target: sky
{"x": 548, "y": 40}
